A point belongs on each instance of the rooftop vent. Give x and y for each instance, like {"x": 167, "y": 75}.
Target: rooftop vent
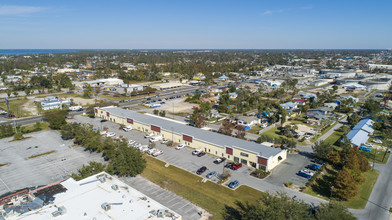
{"x": 114, "y": 187}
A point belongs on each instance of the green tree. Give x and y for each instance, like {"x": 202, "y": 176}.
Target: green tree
{"x": 332, "y": 211}
{"x": 127, "y": 161}
{"x": 241, "y": 132}
{"x": 345, "y": 186}
{"x": 269, "y": 207}
{"x": 322, "y": 149}
{"x": 353, "y": 119}
{"x": 371, "y": 107}
{"x": 88, "y": 170}
{"x": 56, "y": 118}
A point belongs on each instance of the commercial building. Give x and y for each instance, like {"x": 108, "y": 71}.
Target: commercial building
{"x": 54, "y": 103}
{"x": 100, "y": 196}
{"x": 99, "y": 82}
{"x": 245, "y": 152}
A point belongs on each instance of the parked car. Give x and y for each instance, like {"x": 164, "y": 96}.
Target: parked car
{"x": 318, "y": 161}
{"x": 197, "y": 151}
{"x": 313, "y": 166}
{"x": 210, "y": 174}
{"x": 156, "y": 138}
{"x": 148, "y": 135}
{"x": 201, "y": 170}
{"x": 369, "y": 145}
{"x": 127, "y": 128}
{"x": 157, "y": 153}
{"x": 236, "y": 166}
{"x": 110, "y": 134}
{"x": 304, "y": 174}
{"x": 234, "y": 184}
{"x": 365, "y": 148}
{"x": 131, "y": 142}
{"x": 164, "y": 141}
{"x": 377, "y": 141}
{"x": 201, "y": 154}
{"x": 263, "y": 125}
{"x": 229, "y": 165}
{"x": 103, "y": 120}
{"x": 180, "y": 146}
{"x": 219, "y": 160}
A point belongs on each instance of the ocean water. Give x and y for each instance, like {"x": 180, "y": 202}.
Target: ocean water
{"x": 35, "y": 51}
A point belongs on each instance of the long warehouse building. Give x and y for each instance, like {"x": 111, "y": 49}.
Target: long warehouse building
{"x": 248, "y": 153}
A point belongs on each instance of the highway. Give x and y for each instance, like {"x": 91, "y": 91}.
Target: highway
{"x": 162, "y": 95}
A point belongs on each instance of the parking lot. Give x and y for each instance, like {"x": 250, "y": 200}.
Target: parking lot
{"x": 185, "y": 160}
{"x": 22, "y": 172}
{"x": 286, "y": 171}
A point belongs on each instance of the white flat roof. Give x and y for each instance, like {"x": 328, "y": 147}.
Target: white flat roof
{"x": 83, "y": 200}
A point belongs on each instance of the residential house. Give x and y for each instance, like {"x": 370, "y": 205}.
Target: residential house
{"x": 233, "y": 95}
{"x": 360, "y": 133}
{"x": 300, "y": 101}
{"x": 331, "y": 105}
{"x": 319, "y": 113}
{"x": 289, "y": 106}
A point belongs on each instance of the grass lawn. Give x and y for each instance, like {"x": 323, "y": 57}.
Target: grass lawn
{"x": 334, "y": 137}
{"x": 15, "y": 107}
{"x": 379, "y": 155}
{"x": 210, "y": 196}
{"x": 272, "y": 132}
{"x": 321, "y": 188}
{"x": 330, "y": 126}
{"x": 30, "y": 128}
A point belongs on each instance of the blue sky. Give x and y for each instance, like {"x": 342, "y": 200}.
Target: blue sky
{"x": 191, "y": 24}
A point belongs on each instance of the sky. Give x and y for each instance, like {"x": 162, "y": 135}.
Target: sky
{"x": 195, "y": 24}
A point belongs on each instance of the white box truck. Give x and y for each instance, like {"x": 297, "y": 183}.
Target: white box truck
{"x": 156, "y": 138}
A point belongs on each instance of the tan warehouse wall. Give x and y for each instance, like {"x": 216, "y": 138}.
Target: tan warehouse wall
{"x": 207, "y": 147}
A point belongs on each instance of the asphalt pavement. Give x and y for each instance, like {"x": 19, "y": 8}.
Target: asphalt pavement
{"x": 380, "y": 200}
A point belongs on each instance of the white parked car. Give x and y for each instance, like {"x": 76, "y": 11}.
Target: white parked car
{"x": 148, "y": 135}
{"x": 156, "y": 138}
{"x": 164, "y": 141}
{"x": 307, "y": 137}
{"x": 196, "y": 152}
{"x": 369, "y": 145}
{"x": 263, "y": 125}
{"x": 377, "y": 141}
{"x": 131, "y": 142}
{"x": 110, "y": 134}
{"x": 157, "y": 153}
{"x": 127, "y": 128}
{"x": 180, "y": 146}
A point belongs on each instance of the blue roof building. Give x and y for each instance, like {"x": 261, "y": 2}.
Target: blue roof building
{"x": 365, "y": 125}
{"x": 357, "y": 137}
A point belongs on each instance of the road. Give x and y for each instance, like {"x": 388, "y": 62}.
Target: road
{"x": 165, "y": 94}
{"x": 380, "y": 199}
{"x": 308, "y": 148}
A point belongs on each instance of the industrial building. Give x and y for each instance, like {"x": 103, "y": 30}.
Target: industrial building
{"x": 99, "y": 82}
{"x": 100, "y": 196}
{"x": 52, "y": 102}
{"x": 245, "y": 152}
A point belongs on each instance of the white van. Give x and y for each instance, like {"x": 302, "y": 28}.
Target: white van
{"x": 156, "y": 138}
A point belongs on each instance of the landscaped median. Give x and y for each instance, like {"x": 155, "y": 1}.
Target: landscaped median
{"x": 209, "y": 195}
{"x": 42, "y": 154}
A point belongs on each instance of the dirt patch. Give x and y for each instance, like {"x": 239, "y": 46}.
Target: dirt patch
{"x": 82, "y": 101}
{"x": 301, "y": 127}
{"x": 30, "y": 107}
{"x": 177, "y": 106}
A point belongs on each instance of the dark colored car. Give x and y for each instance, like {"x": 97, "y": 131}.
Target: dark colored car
{"x": 236, "y": 166}
{"x": 103, "y": 120}
{"x": 201, "y": 170}
{"x": 201, "y": 154}
{"x": 229, "y": 165}
{"x": 318, "y": 161}
{"x": 313, "y": 166}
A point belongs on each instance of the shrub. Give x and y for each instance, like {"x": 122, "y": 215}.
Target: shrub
{"x": 287, "y": 184}
{"x": 261, "y": 174}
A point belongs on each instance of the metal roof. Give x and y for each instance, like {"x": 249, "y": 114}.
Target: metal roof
{"x": 357, "y": 137}
{"x": 365, "y": 125}
{"x": 197, "y": 133}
